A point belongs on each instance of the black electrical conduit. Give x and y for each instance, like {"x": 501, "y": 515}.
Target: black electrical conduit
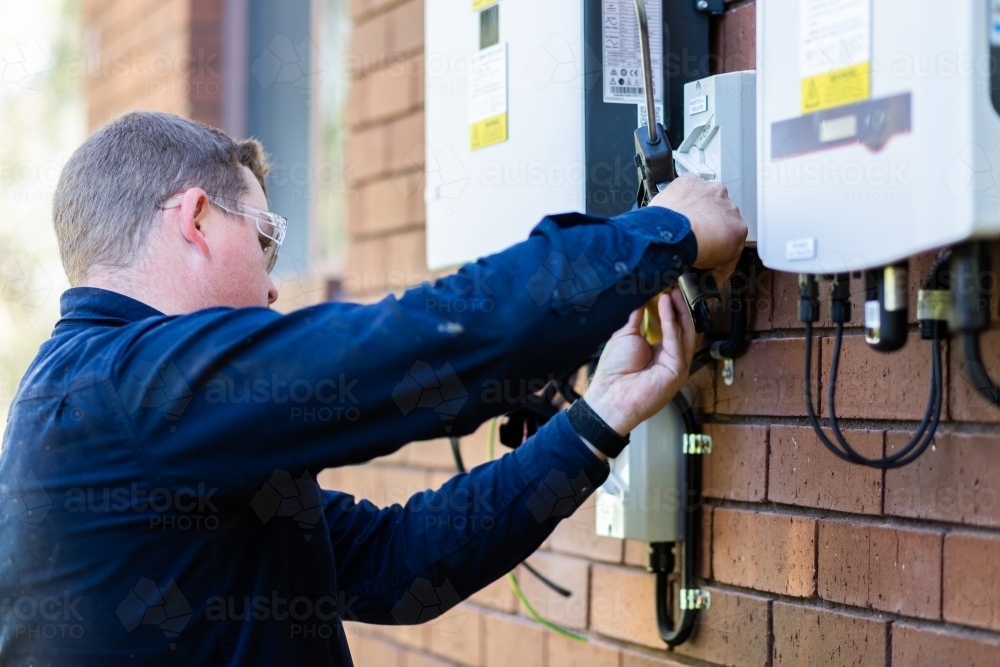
{"x": 932, "y": 330}
{"x": 971, "y": 313}
{"x": 662, "y": 553}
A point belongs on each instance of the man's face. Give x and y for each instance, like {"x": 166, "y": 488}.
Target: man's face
{"x": 240, "y": 277}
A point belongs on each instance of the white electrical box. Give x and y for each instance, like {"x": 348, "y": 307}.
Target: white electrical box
{"x": 643, "y": 497}
{"x": 878, "y": 130}
{"x": 720, "y": 141}
{"x": 481, "y": 200}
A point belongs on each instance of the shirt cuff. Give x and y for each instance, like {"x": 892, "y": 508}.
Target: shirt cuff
{"x": 557, "y": 450}
{"x": 674, "y": 246}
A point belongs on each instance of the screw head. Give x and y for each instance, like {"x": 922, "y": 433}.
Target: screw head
{"x": 702, "y": 4}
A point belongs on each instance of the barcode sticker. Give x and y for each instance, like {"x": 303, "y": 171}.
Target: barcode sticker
{"x": 623, "y": 77}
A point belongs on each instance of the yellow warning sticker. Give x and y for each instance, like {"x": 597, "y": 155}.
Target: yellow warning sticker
{"x": 488, "y": 131}
{"x": 837, "y": 88}
{"x": 834, "y": 53}
{"x": 488, "y": 97}
{"x": 482, "y": 4}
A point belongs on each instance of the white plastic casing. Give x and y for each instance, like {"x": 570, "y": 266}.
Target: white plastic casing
{"x": 849, "y": 207}
{"x": 720, "y": 126}
{"x": 481, "y": 201}
{"x": 643, "y": 497}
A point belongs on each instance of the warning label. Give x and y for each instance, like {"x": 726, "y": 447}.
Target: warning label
{"x": 488, "y": 97}
{"x": 623, "y": 82}
{"x": 835, "y": 53}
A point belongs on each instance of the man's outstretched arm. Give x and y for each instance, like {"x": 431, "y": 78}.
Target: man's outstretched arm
{"x": 338, "y": 384}
{"x": 408, "y": 564}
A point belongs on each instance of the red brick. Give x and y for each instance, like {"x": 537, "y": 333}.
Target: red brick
{"x": 786, "y": 300}
{"x": 733, "y": 631}
{"x": 966, "y": 403}
{"x": 406, "y": 259}
{"x": 433, "y": 454}
{"x": 972, "y": 580}
{"x": 811, "y": 636}
{"x": 406, "y": 143}
{"x": 765, "y": 551}
{"x": 768, "y": 380}
{"x": 513, "y": 642}
{"x": 957, "y": 479}
{"x": 736, "y": 39}
{"x": 365, "y": 155}
{"x": 369, "y": 46}
{"x": 737, "y": 467}
{"x": 636, "y": 658}
{"x": 363, "y": 274}
{"x": 803, "y": 472}
{"x": 844, "y": 574}
{"x": 371, "y": 651}
{"x": 636, "y": 553}
{"x": 459, "y": 635}
{"x": 406, "y": 27}
{"x": 396, "y": 485}
{"x": 875, "y": 385}
{"x": 411, "y": 659}
{"x": 575, "y": 535}
{"x": 498, "y": 595}
{"x": 566, "y": 652}
{"x": 389, "y": 92}
{"x": 933, "y": 647}
{"x": 413, "y": 636}
{"x": 622, "y": 605}
{"x": 703, "y": 568}
{"x": 881, "y": 567}
{"x": 356, "y": 106}
{"x": 573, "y": 574}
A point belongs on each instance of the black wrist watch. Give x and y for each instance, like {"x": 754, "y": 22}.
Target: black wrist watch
{"x": 589, "y": 426}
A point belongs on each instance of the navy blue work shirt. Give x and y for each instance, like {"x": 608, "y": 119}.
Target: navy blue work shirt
{"x": 159, "y": 495}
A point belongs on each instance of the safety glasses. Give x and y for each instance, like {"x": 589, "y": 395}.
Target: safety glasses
{"x": 271, "y": 227}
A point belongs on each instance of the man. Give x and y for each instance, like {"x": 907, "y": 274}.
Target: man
{"x": 160, "y": 501}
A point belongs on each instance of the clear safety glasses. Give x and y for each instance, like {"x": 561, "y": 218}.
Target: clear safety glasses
{"x": 271, "y": 227}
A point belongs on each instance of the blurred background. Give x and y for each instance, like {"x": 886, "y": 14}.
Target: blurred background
{"x": 276, "y": 71}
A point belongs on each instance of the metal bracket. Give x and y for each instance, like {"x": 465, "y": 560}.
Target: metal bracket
{"x": 715, "y": 7}
{"x": 697, "y": 443}
{"x": 695, "y": 598}
{"x": 728, "y": 372}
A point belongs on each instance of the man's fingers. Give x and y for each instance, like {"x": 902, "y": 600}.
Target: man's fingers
{"x": 686, "y": 325}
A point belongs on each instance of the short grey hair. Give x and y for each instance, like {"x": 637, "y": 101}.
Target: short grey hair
{"x": 108, "y": 196}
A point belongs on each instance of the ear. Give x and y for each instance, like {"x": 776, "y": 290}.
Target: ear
{"x": 194, "y": 210}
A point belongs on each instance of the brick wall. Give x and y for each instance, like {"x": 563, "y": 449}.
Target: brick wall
{"x": 810, "y": 561}
{"x": 162, "y": 55}
{"x": 385, "y": 150}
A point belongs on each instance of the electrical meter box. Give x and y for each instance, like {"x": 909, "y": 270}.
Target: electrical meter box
{"x": 720, "y": 140}
{"x": 643, "y": 496}
{"x": 878, "y": 129}
{"x": 530, "y": 110}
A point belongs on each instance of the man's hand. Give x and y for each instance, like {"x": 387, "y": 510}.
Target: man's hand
{"x": 634, "y": 380}
{"x": 715, "y": 221}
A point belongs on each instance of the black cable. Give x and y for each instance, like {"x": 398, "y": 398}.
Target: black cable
{"x": 918, "y": 441}
{"x": 976, "y": 371}
{"x": 548, "y": 582}
{"x": 917, "y": 444}
{"x": 735, "y": 344}
{"x": 663, "y": 558}
{"x": 456, "y": 451}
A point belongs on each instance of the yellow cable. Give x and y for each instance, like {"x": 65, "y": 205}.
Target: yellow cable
{"x": 518, "y": 593}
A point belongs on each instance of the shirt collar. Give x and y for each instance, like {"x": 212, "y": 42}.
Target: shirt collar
{"x": 93, "y": 306}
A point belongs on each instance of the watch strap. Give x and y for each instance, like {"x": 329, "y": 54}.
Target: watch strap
{"x": 589, "y": 426}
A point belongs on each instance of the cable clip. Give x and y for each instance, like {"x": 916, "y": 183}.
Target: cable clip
{"x": 933, "y": 304}
{"x": 695, "y": 598}
{"x": 697, "y": 443}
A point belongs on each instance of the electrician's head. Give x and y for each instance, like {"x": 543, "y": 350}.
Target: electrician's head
{"x": 155, "y": 198}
